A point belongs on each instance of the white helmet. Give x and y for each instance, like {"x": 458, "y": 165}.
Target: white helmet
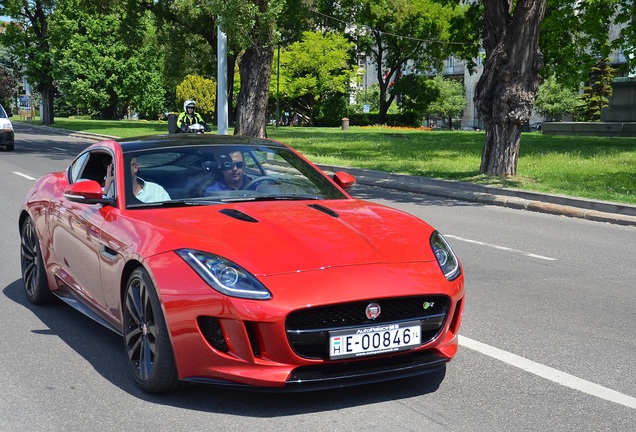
{"x": 188, "y": 103}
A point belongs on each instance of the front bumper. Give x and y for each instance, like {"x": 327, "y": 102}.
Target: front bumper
{"x": 242, "y": 343}
{"x": 6, "y": 137}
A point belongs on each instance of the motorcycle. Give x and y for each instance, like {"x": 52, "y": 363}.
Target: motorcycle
{"x": 198, "y": 128}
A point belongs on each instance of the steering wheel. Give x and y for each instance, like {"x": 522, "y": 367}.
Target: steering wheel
{"x": 259, "y": 180}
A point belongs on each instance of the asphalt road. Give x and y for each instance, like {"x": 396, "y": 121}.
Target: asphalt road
{"x": 547, "y": 342}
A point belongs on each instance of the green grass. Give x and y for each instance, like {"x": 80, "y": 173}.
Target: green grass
{"x": 590, "y": 167}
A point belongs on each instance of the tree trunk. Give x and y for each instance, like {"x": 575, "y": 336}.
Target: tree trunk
{"x": 47, "y": 91}
{"x": 506, "y": 90}
{"x": 255, "y": 69}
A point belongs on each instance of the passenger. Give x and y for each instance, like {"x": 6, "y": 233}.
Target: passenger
{"x": 145, "y": 191}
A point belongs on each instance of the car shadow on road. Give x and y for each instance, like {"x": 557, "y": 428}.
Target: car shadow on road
{"x": 106, "y": 355}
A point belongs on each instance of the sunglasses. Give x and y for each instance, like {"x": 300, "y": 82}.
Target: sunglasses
{"x": 226, "y": 166}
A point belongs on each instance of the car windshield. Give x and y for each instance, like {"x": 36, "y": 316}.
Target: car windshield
{"x": 203, "y": 175}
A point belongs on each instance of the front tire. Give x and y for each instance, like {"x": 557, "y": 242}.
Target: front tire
{"x": 36, "y": 284}
{"x": 147, "y": 344}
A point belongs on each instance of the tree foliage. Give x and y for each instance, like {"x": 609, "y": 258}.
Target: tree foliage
{"x": 576, "y": 35}
{"x": 400, "y": 35}
{"x": 28, "y": 37}
{"x": 201, "y": 90}
{"x": 312, "y": 70}
{"x": 555, "y": 101}
{"x": 450, "y": 101}
{"x": 8, "y": 86}
{"x": 103, "y": 66}
{"x": 416, "y": 94}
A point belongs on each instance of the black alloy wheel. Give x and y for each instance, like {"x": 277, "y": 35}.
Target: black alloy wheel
{"x": 147, "y": 343}
{"x": 34, "y": 277}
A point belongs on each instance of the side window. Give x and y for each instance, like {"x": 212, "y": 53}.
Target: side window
{"x": 77, "y": 167}
{"x": 91, "y": 166}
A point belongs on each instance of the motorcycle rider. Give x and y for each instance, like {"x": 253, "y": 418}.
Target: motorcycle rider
{"x": 189, "y": 117}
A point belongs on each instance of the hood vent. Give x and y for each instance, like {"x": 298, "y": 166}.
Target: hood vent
{"x": 325, "y": 210}
{"x": 237, "y": 214}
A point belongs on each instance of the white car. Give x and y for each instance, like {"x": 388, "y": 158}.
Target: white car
{"x": 6, "y": 137}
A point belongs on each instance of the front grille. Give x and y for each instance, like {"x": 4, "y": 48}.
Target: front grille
{"x": 308, "y": 329}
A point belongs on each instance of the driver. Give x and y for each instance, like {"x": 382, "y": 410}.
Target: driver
{"x": 233, "y": 169}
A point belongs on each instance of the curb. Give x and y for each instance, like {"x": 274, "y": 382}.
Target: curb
{"x": 594, "y": 210}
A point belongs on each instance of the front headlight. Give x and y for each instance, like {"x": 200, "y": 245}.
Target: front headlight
{"x": 224, "y": 276}
{"x": 7, "y": 127}
{"x": 445, "y": 256}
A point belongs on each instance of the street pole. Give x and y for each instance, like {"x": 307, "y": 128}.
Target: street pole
{"x": 278, "y": 86}
{"x": 222, "y": 107}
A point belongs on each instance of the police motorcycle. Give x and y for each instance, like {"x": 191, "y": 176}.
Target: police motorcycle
{"x": 198, "y": 127}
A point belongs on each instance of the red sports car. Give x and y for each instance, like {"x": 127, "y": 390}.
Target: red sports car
{"x": 235, "y": 261}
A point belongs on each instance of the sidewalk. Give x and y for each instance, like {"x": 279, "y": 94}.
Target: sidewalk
{"x": 600, "y": 211}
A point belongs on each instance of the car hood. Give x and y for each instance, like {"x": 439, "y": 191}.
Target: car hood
{"x": 278, "y": 237}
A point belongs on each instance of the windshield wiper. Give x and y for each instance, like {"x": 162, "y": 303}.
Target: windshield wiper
{"x": 272, "y": 197}
{"x": 292, "y": 197}
{"x": 176, "y": 203}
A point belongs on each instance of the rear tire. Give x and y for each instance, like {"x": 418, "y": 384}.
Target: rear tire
{"x": 36, "y": 284}
{"x": 146, "y": 339}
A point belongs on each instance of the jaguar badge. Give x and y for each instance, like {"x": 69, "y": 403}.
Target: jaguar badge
{"x": 373, "y": 311}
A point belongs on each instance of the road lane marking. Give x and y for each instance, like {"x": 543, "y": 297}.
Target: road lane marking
{"x": 549, "y": 373}
{"x": 28, "y": 177}
{"x": 503, "y": 248}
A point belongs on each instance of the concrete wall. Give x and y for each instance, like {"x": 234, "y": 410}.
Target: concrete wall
{"x": 614, "y": 129}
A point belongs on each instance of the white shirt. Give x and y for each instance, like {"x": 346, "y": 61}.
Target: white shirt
{"x": 151, "y": 192}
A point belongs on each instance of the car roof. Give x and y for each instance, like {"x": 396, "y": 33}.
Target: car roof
{"x": 188, "y": 140}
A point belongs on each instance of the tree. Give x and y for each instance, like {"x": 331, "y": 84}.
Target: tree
{"x": 28, "y": 37}
{"x": 397, "y": 34}
{"x": 416, "y": 93}
{"x": 597, "y": 92}
{"x": 8, "y": 85}
{"x": 554, "y": 101}
{"x": 573, "y": 36}
{"x": 313, "y": 70}
{"x": 450, "y": 101}
{"x": 104, "y": 66}
{"x": 506, "y": 90}
{"x": 252, "y": 26}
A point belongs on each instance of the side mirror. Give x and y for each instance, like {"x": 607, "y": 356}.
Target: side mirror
{"x": 344, "y": 180}
{"x": 86, "y": 192}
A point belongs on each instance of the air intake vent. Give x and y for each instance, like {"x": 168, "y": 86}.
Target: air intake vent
{"x": 212, "y": 332}
{"x": 236, "y": 214}
{"x": 325, "y": 210}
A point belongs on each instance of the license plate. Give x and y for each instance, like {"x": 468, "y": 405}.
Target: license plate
{"x": 377, "y": 339}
